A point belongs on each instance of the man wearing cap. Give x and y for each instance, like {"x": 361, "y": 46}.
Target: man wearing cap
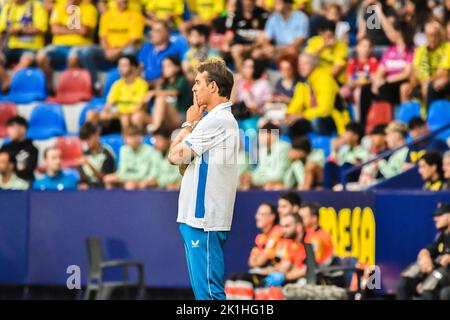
{"x": 430, "y": 275}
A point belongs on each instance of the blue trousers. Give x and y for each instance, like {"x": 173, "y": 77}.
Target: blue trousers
{"x": 204, "y": 256}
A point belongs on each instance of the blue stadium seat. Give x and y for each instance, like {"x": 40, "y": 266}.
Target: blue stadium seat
{"x": 407, "y": 110}
{"x": 46, "y": 121}
{"x": 439, "y": 116}
{"x": 115, "y": 142}
{"x": 27, "y": 85}
{"x": 321, "y": 142}
{"x": 93, "y": 105}
{"x": 111, "y": 77}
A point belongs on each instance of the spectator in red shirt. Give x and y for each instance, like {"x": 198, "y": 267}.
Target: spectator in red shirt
{"x": 360, "y": 72}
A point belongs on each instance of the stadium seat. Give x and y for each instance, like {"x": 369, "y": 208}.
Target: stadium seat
{"x": 27, "y": 85}
{"x": 115, "y": 141}
{"x": 46, "y": 121}
{"x": 379, "y": 113}
{"x": 7, "y": 110}
{"x": 112, "y": 76}
{"x": 407, "y": 110}
{"x": 74, "y": 86}
{"x": 93, "y": 105}
{"x": 71, "y": 150}
{"x": 439, "y": 116}
{"x": 321, "y": 142}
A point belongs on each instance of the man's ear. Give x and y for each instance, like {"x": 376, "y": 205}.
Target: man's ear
{"x": 213, "y": 87}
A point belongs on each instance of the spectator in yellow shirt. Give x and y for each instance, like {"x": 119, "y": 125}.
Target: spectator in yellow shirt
{"x": 313, "y": 104}
{"x": 171, "y": 11}
{"x": 23, "y": 24}
{"x": 121, "y": 32}
{"x": 72, "y": 25}
{"x": 332, "y": 52}
{"x": 431, "y": 64}
{"x": 125, "y": 96}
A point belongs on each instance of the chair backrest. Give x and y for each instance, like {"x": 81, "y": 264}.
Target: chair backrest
{"x": 407, "y": 110}
{"x": 379, "y": 113}
{"x": 74, "y": 86}
{"x": 29, "y": 81}
{"x": 70, "y": 149}
{"x": 95, "y": 257}
{"x": 112, "y": 76}
{"x": 311, "y": 264}
{"x": 7, "y": 110}
{"x": 97, "y": 106}
{"x": 438, "y": 116}
{"x": 115, "y": 142}
{"x": 47, "y": 120}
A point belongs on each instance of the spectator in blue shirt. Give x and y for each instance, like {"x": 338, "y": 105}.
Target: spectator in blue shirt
{"x": 286, "y": 28}
{"x": 152, "y": 54}
{"x": 55, "y": 178}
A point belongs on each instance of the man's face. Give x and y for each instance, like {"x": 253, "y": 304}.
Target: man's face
{"x": 349, "y": 137}
{"x": 264, "y": 218}
{"x": 53, "y": 160}
{"x": 363, "y": 48}
{"x": 133, "y": 141}
{"x": 393, "y": 138}
{"x": 201, "y": 88}
{"x": 159, "y": 34}
{"x": 425, "y": 170}
{"x": 195, "y": 39}
{"x": 433, "y": 35}
{"x": 378, "y": 142}
{"x": 5, "y": 165}
{"x": 122, "y": 4}
{"x": 92, "y": 141}
{"x": 309, "y": 220}
{"x": 161, "y": 143}
{"x": 418, "y": 132}
{"x": 125, "y": 68}
{"x": 441, "y": 222}
{"x": 446, "y": 167}
{"x": 285, "y": 208}
{"x": 248, "y": 5}
{"x": 281, "y": 7}
{"x": 289, "y": 227}
{"x": 327, "y": 35}
{"x": 16, "y": 132}
{"x": 305, "y": 67}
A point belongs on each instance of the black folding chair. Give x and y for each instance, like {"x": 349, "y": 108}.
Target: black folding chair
{"x": 103, "y": 290}
{"x": 315, "y": 272}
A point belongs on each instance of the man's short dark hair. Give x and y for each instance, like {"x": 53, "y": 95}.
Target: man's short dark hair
{"x": 269, "y": 125}
{"x": 433, "y": 158}
{"x": 416, "y": 122}
{"x": 219, "y": 73}
{"x": 379, "y": 130}
{"x": 11, "y": 159}
{"x": 131, "y": 58}
{"x": 302, "y": 143}
{"x": 293, "y": 198}
{"x": 355, "y": 128}
{"x": 313, "y": 207}
{"x": 326, "y": 25}
{"x": 21, "y": 121}
{"x": 202, "y": 29}
{"x": 163, "y": 131}
{"x": 131, "y": 131}
{"x": 47, "y": 150}
{"x": 87, "y": 130}
{"x": 297, "y": 218}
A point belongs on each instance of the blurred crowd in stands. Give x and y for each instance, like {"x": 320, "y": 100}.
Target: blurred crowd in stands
{"x": 322, "y": 86}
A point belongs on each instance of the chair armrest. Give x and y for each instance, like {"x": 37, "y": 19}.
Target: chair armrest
{"x": 120, "y": 263}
